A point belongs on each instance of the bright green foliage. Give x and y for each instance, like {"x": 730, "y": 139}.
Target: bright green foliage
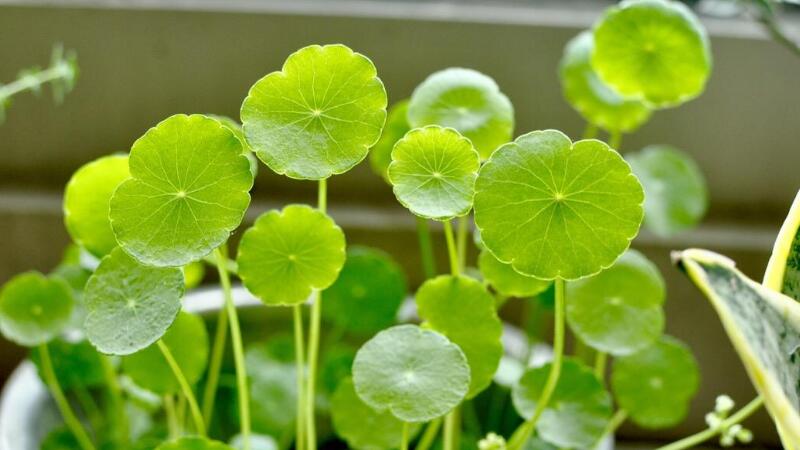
{"x": 193, "y": 443}
{"x": 433, "y": 172}
{"x": 507, "y": 281}
{"x": 34, "y": 309}
{"x": 193, "y": 274}
{"x": 380, "y": 156}
{"x": 319, "y": 115}
{"x": 337, "y": 362}
{"x": 554, "y": 209}
{"x": 653, "y": 50}
{"x": 273, "y": 390}
{"x": 187, "y": 340}
{"x": 656, "y": 384}
{"x": 596, "y": 102}
{"x": 86, "y": 203}
{"x": 76, "y": 364}
{"x": 464, "y": 311}
{"x": 676, "y": 197}
{"x": 361, "y": 426}
{"x": 578, "y": 411}
{"x": 416, "y": 374}
{"x": 129, "y": 305}
{"x": 236, "y": 128}
{"x": 257, "y": 442}
{"x": 286, "y": 254}
{"x": 369, "y": 291}
{"x": 468, "y": 101}
{"x": 619, "y": 310}
{"x": 189, "y": 191}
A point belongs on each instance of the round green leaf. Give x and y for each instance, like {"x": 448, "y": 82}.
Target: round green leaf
{"x": 129, "y": 305}
{"x": 34, "y": 309}
{"x": 187, "y": 340}
{"x": 468, "y": 101}
{"x": 619, "y": 310}
{"x": 433, "y": 172}
{"x": 578, "y": 411}
{"x": 416, "y": 374}
{"x": 676, "y": 197}
{"x": 193, "y": 443}
{"x": 507, "y": 281}
{"x": 595, "y": 101}
{"x": 361, "y": 426}
{"x": 86, "y": 203}
{"x": 380, "y": 156}
{"x": 319, "y": 115}
{"x": 76, "y": 364}
{"x": 236, "y": 128}
{"x": 554, "y": 209}
{"x": 188, "y": 191}
{"x": 368, "y": 293}
{"x": 656, "y": 384}
{"x": 286, "y": 254}
{"x": 464, "y": 311}
{"x": 654, "y": 50}
{"x": 257, "y": 442}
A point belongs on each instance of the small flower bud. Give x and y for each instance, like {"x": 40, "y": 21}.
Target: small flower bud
{"x": 492, "y": 441}
{"x": 724, "y": 405}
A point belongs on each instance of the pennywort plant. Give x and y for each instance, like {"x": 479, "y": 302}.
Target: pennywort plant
{"x": 552, "y": 218}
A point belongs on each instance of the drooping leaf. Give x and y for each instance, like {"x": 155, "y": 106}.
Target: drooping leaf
{"x": 319, "y": 115}
{"x": 464, "y": 311}
{"x": 554, "y": 209}
{"x": 188, "y": 191}
{"x": 676, "y": 197}
{"x": 764, "y": 327}
{"x": 361, "y": 426}
{"x": 783, "y": 269}
{"x": 257, "y": 442}
{"x": 76, "y": 364}
{"x": 507, "y": 281}
{"x": 380, "y": 156}
{"x": 86, "y": 203}
{"x": 433, "y": 172}
{"x": 286, "y": 254}
{"x": 653, "y": 50}
{"x": 656, "y": 384}
{"x": 579, "y": 408}
{"x": 416, "y": 374}
{"x": 467, "y": 101}
{"x": 619, "y": 310}
{"x": 273, "y": 390}
{"x": 596, "y": 102}
{"x": 193, "y": 443}
{"x": 130, "y": 305}
{"x": 187, "y": 340}
{"x": 368, "y": 293}
{"x": 34, "y": 309}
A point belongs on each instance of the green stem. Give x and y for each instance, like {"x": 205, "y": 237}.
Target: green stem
{"x": 238, "y": 349}
{"x": 450, "y": 426}
{"x": 461, "y": 240}
{"x": 702, "y": 436}
{"x": 615, "y": 140}
{"x": 70, "y": 419}
{"x": 404, "y": 439}
{"x": 616, "y": 421}
{"x": 524, "y": 432}
{"x": 451, "y": 248}
{"x": 115, "y": 393}
{"x": 313, "y": 342}
{"x": 425, "y": 248}
{"x": 197, "y": 417}
{"x": 215, "y": 366}
{"x": 33, "y": 82}
{"x": 429, "y": 436}
{"x": 180, "y": 412}
{"x": 600, "y": 362}
{"x": 172, "y": 417}
{"x": 299, "y": 346}
{"x": 590, "y": 132}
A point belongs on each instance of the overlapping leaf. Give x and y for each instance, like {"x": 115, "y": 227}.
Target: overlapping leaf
{"x": 507, "y": 281}
{"x": 380, "y": 156}
{"x": 34, "y": 309}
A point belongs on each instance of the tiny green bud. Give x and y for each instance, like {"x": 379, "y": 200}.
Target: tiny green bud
{"x": 744, "y": 436}
{"x": 724, "y": 405}
{"x": 492, "y": 441}
{"x": 726, "y": 440}
{"x": 713, "y": 420}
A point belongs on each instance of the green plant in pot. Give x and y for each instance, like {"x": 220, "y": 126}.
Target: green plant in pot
{"x": 552, "y": 218}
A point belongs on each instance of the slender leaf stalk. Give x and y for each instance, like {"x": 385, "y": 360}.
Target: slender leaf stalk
{"x": 404, "y": 439}
{"x": 172, "y": 417}
{"x": 35, "y": 81}
{"x": 429, "y": 435}
{"x": 600, "y": 362}
{"x": 313, "y": 342}
{"x": 426, "y": 248}
{"x": 702, "y": 436}
{"x": 451, "y": 248}
{"x": 238, "y": 350}
{"x": 115, "y": 394}
{"x": 616, "y": 421}
{"x": 452, "y": 422}
{"x": 215, "y": 366}
{"x": 70, "y": 419}
{"x": 524, "y": 431}
{"x": 461, "y": 240}
{"x": 615, "y": 140}
{"x": 197, "y": 417}
{"x": 299, "y": 357}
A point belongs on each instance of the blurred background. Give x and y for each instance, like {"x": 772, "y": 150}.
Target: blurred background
{"x": 143, "y": 60}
